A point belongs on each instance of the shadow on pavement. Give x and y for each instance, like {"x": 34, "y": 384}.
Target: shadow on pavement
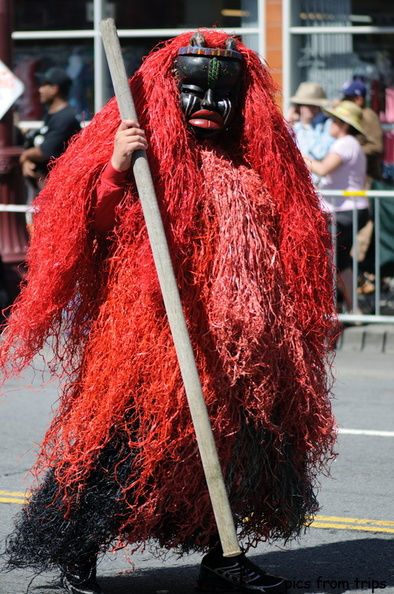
{"x": 363, "y": 565}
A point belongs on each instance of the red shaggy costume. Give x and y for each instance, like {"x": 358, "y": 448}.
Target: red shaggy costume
{"x": 251, "y": 254}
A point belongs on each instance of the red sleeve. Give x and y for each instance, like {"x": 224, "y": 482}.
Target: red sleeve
{"x": 109, "y": 193}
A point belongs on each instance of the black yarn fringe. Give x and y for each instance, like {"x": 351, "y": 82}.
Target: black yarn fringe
{"x": 49, "y": 535}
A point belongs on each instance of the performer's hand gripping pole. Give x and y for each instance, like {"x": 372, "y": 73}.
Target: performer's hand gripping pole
{"x": 169, "y": 288}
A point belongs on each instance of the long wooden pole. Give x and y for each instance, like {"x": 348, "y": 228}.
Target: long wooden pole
{"x": 172, "y": 302}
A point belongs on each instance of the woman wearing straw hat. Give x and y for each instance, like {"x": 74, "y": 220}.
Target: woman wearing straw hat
{"x": 344, "y": 168}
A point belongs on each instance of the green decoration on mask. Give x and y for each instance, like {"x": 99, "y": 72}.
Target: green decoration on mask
{"x": 213, "y": 72}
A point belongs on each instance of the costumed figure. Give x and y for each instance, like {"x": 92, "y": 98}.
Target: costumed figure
{"x": 251, "y": 253}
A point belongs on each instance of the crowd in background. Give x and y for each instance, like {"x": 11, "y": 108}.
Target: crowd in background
{"x": 342, "y": 142}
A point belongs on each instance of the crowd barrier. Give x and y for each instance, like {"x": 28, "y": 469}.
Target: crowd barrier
{"x": 378, "y": 308}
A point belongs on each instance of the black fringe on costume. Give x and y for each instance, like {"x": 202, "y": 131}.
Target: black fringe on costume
{"x": 48, "y": 534}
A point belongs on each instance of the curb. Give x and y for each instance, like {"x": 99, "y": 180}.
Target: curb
{"x": 369, "y": 338}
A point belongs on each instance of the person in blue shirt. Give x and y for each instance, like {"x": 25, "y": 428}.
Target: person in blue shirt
{"x": 310, "y": 125}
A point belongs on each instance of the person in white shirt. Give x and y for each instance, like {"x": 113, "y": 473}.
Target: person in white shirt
{"x": 344, "y": 168}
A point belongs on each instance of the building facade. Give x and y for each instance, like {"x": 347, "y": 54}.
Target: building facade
{"x": 327, "y": 41}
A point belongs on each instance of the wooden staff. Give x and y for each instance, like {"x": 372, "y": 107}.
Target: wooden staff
{"x": 172, "y": 302}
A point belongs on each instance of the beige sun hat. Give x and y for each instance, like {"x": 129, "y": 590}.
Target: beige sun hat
{"x": 310, "y": 93}
{"x": 348, "y": 112}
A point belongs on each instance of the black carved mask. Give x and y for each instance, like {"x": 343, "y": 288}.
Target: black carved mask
{"x": 208, "y": 83}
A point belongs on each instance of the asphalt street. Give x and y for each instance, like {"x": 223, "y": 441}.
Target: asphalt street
{"x": 349, "y": 547}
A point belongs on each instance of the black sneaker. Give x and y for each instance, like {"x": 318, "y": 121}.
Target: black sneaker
{"x": 229, "y": 574}
{"x": 81, "y": 582}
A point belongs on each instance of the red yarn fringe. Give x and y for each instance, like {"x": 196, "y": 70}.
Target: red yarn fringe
{"x": 252, "y": 258}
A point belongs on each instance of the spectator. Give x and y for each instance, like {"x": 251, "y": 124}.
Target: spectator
{"x": 60, "y": 124}
{"x": 344, "y": 168}
{"x": 372, "y": 140}
{"x": 311, "y": 126}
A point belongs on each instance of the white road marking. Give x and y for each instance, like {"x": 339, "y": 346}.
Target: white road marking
{"x": 366, "y": 432}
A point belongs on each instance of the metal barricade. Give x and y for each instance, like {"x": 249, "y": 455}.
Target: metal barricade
{"x": 15, "y": 208}
{"x": 353, "y": 316}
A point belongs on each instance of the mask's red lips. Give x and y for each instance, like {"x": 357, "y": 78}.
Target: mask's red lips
{"x": 207, "y": 119}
